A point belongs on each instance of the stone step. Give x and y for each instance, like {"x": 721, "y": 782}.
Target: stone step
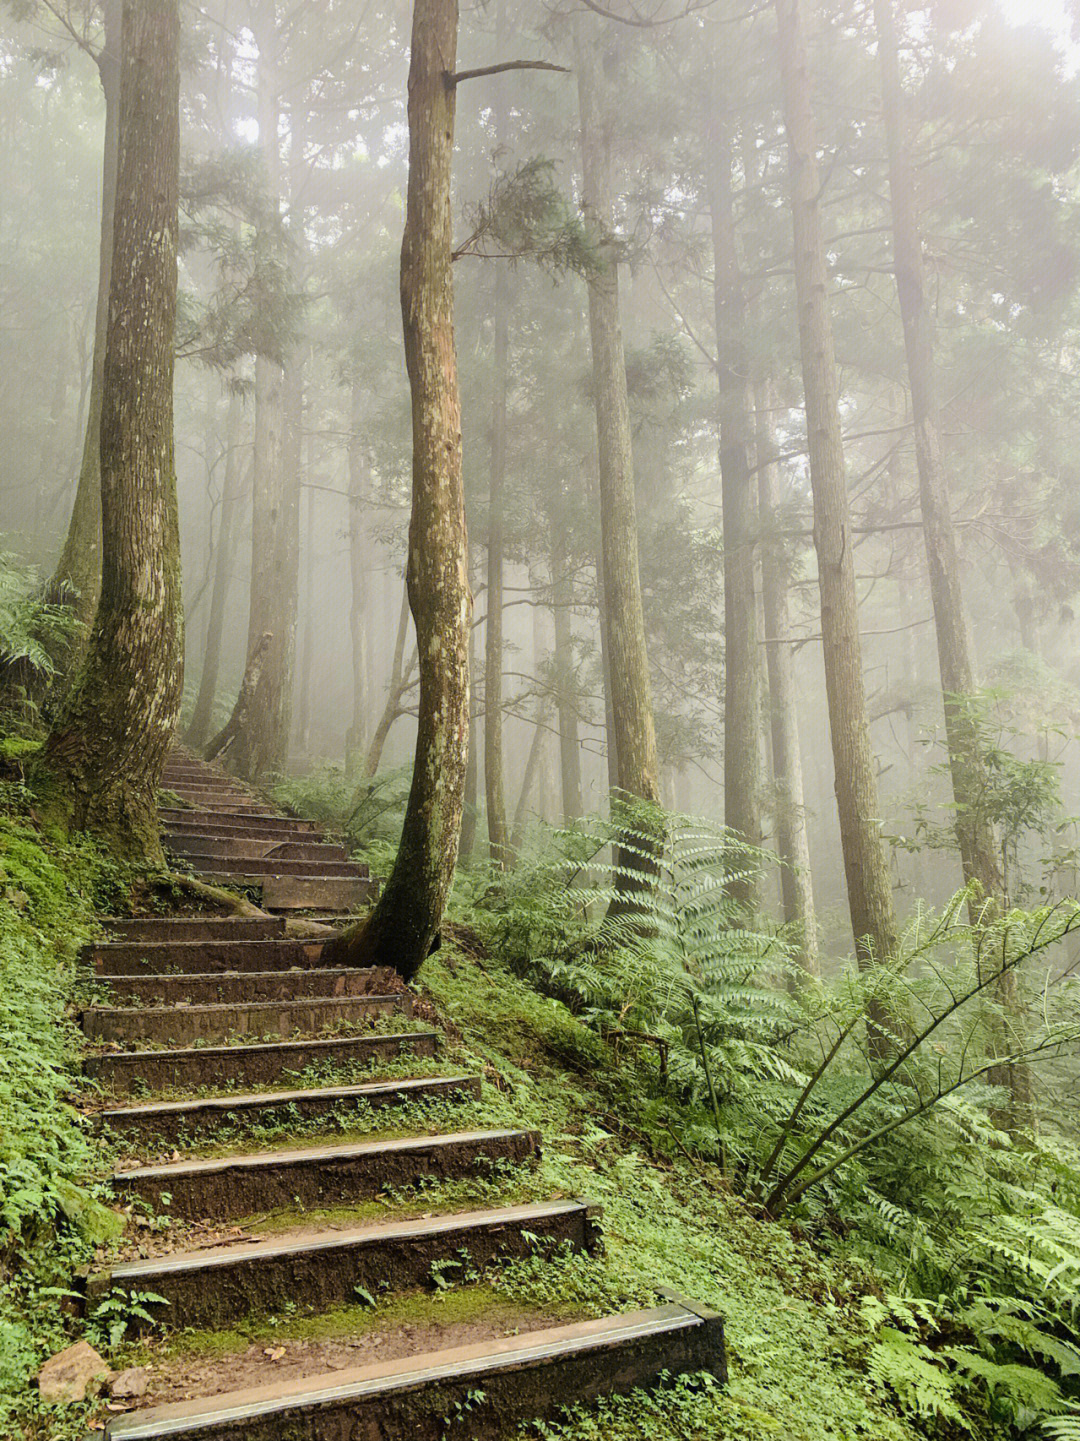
{"x": 239, "y": 987}
{"x": 254, "y": 848}
{"x": 314, "y": 893}
{"x": 185, "y": 1025}
{"x": 491, "y": 1385}
{"x": 253, "y": 1065}
{"x": 325, "y": 1176}
{"x": 167, "y": 1122}
{"x": 219, "y": 823}
{"x": 323, "y": 1269}
{"x": 195, "y": 928}
{"x": 134, "y": 959}
{"x": 254, "y": 872}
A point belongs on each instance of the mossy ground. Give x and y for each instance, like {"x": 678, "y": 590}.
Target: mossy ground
{"x": 797, "y": 1345}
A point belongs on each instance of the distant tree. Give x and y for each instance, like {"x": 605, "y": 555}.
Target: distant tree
{"x": 865, "y": 865}
{"x": 103, "y": 758}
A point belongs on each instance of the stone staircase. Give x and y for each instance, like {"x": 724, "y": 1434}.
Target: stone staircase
{"x": 209, "y": 1035}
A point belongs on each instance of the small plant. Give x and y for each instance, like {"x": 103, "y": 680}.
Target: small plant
{"x": 121, "y": 1309}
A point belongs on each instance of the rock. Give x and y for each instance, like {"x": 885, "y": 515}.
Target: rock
{"x": 72, "y": 1375}
{"x": 130, "y": 1383}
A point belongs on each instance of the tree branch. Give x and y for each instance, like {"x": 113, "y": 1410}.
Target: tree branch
{"x": 460, "y": 75}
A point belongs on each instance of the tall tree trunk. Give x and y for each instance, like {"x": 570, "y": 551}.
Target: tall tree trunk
{"x": 974, "y": 829}
{"x": 405, "y": 921}
{"x": 105, "y": 753}
{"x": 865, "y": 865}
{"x": 792, "y": 842}
{"x": 77, "y": 577}
{"x": 742, "y": 671}
{"x": 358, "y": 575}
{"x": 623, "y": 617}
{"x": 198, "y": 732}
{"x": 306, "y": 672}
{"x": 471, "y": 810}
{"x": 263, "y": 743}
{"x": 566, "y": 700}
{"x": 494, "y": 782}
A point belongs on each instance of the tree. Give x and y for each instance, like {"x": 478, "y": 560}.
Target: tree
{"x": 974, "y": 827}
{"x": 77, "y": 578}
{"x": 865, "y": 866}
{"x": 400, "y": 930}
{"x": 103, "y": 758}
{"x": 623, "y": 623}
{"x": 742, "y": 718}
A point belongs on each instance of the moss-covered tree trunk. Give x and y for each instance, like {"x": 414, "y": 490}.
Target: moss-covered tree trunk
{"x": 104, "y": 755}
{"x": 866, "y": 868}
{"x": 406, "y": 919}
{"x": 76, "y": 580}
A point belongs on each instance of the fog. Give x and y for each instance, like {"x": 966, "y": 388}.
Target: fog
{"x": 294, "y": 166}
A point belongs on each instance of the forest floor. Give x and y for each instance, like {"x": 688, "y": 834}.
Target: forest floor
{"x": 798, "y": 1341}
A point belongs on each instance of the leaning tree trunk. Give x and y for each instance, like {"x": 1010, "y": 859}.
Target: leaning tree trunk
{"x": 792, "y": 842}
{"x": 742, "y": 670}
{"x": 974, "y": 828}
{"x": 865, "y": 866}
{"x": 405, "y": 921}
{"x": 76, "y": 580}
{"x": 623, "y": 619}
{"x": 104, "y": 756}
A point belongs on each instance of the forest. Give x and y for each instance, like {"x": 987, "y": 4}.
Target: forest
{"x": 539, "y": 705}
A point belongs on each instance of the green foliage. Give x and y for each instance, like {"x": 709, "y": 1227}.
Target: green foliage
{"x": 367, "y": 814}
{"x": 33, "y": 634}
{"x": 526, "y": 217}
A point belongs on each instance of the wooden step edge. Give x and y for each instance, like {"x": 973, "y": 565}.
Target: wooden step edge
{"x": 306, "y": 1155}
{"x": 278, "y": 1047}
{"x": 402, "y": 999}
{"x": 380, "y": 1233}
{"x": 252, "y": 1100}
{"x": 323, "y": 975}
{"x": 499, "y": 1369}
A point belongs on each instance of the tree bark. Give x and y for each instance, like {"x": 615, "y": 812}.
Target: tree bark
{"x": 406, "y": 920}
{"x": 865, "y": 866}
{"x": 104, "y": 755}
{"x": 792, "y": 842}
{"x": 240, "y": 717}
{"x": 974, "y": 828}
{"x": 232, "y": 488}
{"x": 742, "y": 670}
{"x": 623, "y": 617}
{"x": 77, "y": 578}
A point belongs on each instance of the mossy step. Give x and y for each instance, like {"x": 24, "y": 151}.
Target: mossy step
{"x": 234, "y": 1186}
{"x": 490, "y": 1386}
{"x": 323, "y": 1269}
{"x": 259, "y": 1064}
{"x": 183, "y": 1025}
{"x": 236, "y": 987}
{"x": 167, "y": 1122}
{"x": 188, "y": 957}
